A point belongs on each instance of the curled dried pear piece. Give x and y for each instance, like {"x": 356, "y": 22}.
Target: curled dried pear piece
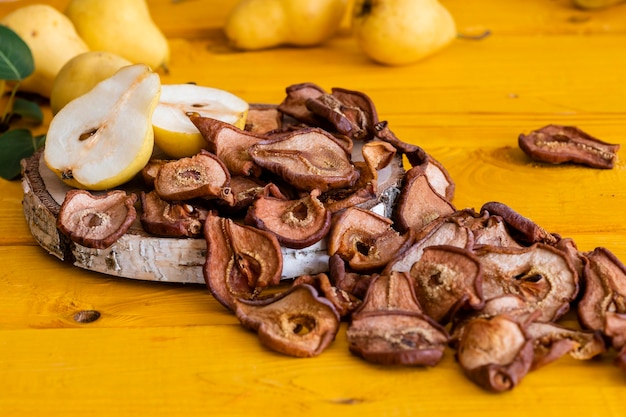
{"x": 171, "y": 219}
{"x": 230, "y": 144}
{"x": 202, "y": 175}
{"x": 418, "y": 203}
{"x": 553, "y": 341}
{"x": 522, "y": 228}
{"x": 241, "y": 261}
{"x": 307, "y": 159}
{"x": 495, "y": 352}
{"x": 294, "y": 103}
{"x": 558, "y": 144}
{"x": 296, "y": 223}
{"x": 348, "y": 112}
{"x": 365, "y": 240}
{"x": 439, "y": 232}
{"x": 390, "y": 328}
{"x": 96, "y": 221}
{"x": 263, "y": 118}
{"x": 541, "y": 275}
{"x": 447, "y": 279}
{"x": 603, "y": 305}
{"x": 343, "y": 301}
{"x": 297, "y": 322}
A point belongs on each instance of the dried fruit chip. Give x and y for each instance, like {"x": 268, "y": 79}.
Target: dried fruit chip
{"x": 96, "y": 221}
{"x": 558, "y": 144}
{"x": 297, "y": 322}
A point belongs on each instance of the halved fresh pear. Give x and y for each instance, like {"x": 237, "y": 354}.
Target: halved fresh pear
{"x": 174, "y": 133}
{"x": 103, "y": 138}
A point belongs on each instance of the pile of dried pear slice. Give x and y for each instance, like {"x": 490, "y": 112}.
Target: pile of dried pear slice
{"x": 409, "y": 273}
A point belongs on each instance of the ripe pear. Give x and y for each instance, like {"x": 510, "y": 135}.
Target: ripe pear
{"x": 400, "y": 32}
{"x": 104, "y": 138}
{"x": 52, "y": 39}
{"x": 596, "y": 4}
{"x": 81, "y": 73}
{"x": 123, "y": 27}
{"x": 259, "y": 24}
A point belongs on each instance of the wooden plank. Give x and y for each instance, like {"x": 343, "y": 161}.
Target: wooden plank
{"x": 39, "y": 291}
{"x": 222, "y": 370}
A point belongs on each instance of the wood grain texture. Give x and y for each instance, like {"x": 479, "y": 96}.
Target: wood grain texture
{"x": 171, "y": 349}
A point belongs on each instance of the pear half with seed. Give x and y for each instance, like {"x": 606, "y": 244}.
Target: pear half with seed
{"x": 103, "y": 138}
{"x": 175, "y": 134}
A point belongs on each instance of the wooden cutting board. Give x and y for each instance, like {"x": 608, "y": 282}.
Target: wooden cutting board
{"x": 139, "y": 255}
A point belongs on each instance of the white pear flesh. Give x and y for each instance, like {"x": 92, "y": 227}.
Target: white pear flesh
{"x": 174, "y": 133}
{"x": 104, "y": 138}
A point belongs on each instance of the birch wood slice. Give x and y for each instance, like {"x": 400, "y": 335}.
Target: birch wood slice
{"x": 139, "y": 255}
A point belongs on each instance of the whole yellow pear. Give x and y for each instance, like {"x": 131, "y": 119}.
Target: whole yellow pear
{"x": 81, "y": 73}
{"x": 400, "y": 32}
{"x": 52, "y": 39}
{"x": 123, "y": 27}
{"x": 259, "y": 24}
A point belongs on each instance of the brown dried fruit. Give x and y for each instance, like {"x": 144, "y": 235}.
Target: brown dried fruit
{"x": 438, "y": 177}
{"x": 389, "y": 327}
{"x": 296, "y": 223}
{"x": 558, "y": 144}
{"x": 447, "y": 279}
{"x": 171, "y": 219}
{"x": 306, "y": 159}
{"x": 522, "y": 228}
{"x": 244, "y": 190}
{"x": 362, "y": 193}
{"x": 230, "y": 144}
{"x": 540, "y": 274}
{"x": 439, "y": 232}
{"x": 294, "y": 104}
{"x": 495, "y": 352}
{"x": 150, "y": 171}
{"x": 414, "y": 153}
{"x": 350, "y": 113}
{"x": 365, "y": 240}
{"x": 241, "y": 261}
{"x": 603, "y": 305}
{"x": 96, "y": 221}
{"x": 553, "y": 341}
{"x": 418, "y": 203}
{"x": 202, "y": 175}
{"x": 297, "y": 322}
{"x": 344, "y": 302}
{"x": 263, "y": 118}
{"x": 352, "y": 283}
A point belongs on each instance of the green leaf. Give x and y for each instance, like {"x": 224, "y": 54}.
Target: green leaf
{"x": 15, "y": 145}
{"x": 28, "y": 110}
{"x": 16, "y": 59}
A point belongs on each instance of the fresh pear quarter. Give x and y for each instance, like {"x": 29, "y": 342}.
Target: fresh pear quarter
{"x": 174, "y": 133}
{"x": 105, "y": 137}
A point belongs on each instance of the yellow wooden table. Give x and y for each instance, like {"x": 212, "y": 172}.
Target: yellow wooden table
{"x": 170, "y": 349}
